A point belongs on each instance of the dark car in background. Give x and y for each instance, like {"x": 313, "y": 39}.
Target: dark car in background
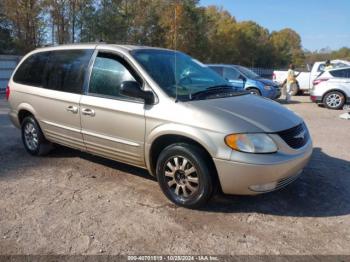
{"x": 244, "y": 78}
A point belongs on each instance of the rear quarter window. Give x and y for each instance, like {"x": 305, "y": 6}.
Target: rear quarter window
{"x": 217, "y": 69}
{"x": 30, "y": 72}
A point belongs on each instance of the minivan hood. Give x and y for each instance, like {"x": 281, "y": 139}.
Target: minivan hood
{"x": 246, "y": 113}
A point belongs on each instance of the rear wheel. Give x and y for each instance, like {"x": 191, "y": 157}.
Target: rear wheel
{"x": 334, "y": 100}
{"x": 33, "y": 139}
{"x": 184, "y": 175}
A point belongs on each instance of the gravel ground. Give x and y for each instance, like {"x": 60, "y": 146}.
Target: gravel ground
{"x": 74, "y": 203}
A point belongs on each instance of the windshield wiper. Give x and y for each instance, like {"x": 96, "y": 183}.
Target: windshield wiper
{"x": 211, "y": 90}
{"x": 219, "y": 87}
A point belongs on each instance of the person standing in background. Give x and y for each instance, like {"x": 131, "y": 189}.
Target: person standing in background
{"x": 291, "y": 82}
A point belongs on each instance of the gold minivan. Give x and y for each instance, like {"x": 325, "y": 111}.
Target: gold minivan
{"x": 161, "y": 110}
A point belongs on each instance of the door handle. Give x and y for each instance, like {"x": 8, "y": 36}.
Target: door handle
{"x": 72, "y": 109}
{"x": 88, "y": 112}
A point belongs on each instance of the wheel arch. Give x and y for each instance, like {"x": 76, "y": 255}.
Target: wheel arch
{"x": 24, "y": 110}
{"x": 337, "y": 90}
{"x": 163, "y": 141}
{"x": 160, "y": 139}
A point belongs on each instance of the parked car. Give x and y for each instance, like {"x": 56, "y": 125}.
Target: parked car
{"x": 244, "y": 78}
{"x": 186, "y": 125}
{"x": 332, "y": 88}
{"x": 305, "y": 79}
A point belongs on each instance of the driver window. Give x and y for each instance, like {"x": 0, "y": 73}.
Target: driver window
{"x": 231, "y": 74}
{"x": 107, "y": 75}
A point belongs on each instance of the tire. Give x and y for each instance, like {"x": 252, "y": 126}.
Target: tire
{"x": 254, "y": 91}
{"x": 334, "y": 100}
{"x": 33, "y": 139}
{"x": 186, "y": 181}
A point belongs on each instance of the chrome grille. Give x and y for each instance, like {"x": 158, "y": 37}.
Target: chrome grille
{"x": 296, "y": 137}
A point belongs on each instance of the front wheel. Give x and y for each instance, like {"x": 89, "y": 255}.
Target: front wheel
{"x": 334, "y": 100}
{"x": 184, "y": 175}
{"x": 254, "y": 91}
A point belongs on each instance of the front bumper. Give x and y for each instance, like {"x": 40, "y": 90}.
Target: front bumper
{"x": 278, "y": 93}
{"x": 271, "y": 94}
{"x": 238, "y": 177}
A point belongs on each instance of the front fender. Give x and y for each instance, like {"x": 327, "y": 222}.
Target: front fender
{"x": 213, "y": 142}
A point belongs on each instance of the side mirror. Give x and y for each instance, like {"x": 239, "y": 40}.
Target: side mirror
{"x": 133, "y": 89}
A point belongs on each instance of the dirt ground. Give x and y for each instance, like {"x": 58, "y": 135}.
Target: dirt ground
{"x": 74, "y": 203}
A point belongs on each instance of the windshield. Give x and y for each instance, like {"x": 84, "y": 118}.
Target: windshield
{"x": 247, "y": 72}
{"x": 173, "y": 70}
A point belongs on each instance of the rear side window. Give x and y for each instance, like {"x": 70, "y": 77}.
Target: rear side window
{"x": 344, "y": 73}
{"x": 30, "y": 72}
{"x": 217, "y": 69}
{"x": 65, "y": 70}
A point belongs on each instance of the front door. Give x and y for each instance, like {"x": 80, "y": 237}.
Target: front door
{"x": 233, "y": 76}
{"x": 113, "y": 125}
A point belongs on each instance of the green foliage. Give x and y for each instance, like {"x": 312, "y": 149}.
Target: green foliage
{"x": 342, "y": 53}
{"x": 21, "y": 24}
{"x": 210, "y": 34}
{"x": 6, "y": 42}
{"x": 286, "y": 46}
{"x": 221, "y": 36}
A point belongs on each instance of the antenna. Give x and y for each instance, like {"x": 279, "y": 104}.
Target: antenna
{"x": 175, "y": 46}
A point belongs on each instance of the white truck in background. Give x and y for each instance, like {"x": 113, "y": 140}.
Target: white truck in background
{"x": 305, "y": 79}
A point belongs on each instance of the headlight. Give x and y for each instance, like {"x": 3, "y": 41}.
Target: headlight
{"x": 267, "y": 87}
{"x": 251, "y": 143}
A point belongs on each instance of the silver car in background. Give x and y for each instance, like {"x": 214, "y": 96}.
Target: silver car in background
{"x": 332, "y": 88}
{"x": 161, "y": 110}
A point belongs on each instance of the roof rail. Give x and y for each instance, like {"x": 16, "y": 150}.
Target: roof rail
{"x": 76, "y": 43}
{"x": 48, "y": 45}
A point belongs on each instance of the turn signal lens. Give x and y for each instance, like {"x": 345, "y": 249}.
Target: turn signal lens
{"x": 232, "y": 141}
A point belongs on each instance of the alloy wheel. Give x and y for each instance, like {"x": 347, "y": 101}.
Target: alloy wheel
{"x": 182, "y": 177}
{"x": 334, "y": 100}
{"x": 31, "y": 136}
{"x": 254, "y": 92}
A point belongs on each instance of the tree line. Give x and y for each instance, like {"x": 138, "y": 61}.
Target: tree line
{"x": 211, "y": 34}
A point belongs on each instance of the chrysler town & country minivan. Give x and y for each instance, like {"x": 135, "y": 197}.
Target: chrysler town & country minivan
{"x": 161, "y": 110}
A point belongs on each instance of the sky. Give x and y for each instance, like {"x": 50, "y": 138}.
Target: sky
{"x": 320, "y": 23}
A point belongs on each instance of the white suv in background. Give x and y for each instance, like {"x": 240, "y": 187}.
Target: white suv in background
{"x": 332, "y": 88}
